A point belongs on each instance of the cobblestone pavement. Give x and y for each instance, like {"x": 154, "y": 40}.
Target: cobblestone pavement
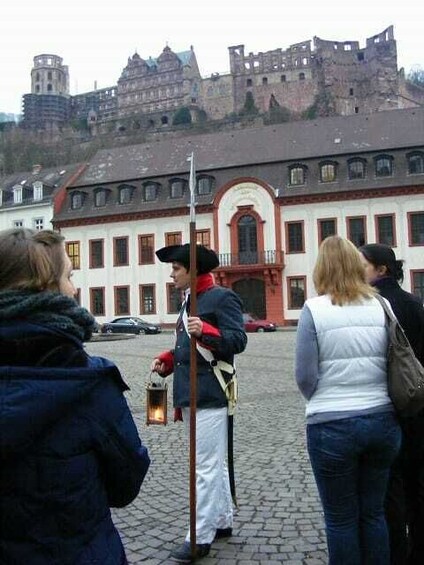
{"x": 279, "y": 518}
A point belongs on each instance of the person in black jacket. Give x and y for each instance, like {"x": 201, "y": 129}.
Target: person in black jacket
{"x": 218, "y": 327}
{"x": 69, "y": 448}
{"x": 405, "y": 496}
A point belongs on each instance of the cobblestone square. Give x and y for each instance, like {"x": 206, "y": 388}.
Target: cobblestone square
{"x": 279, "y": 517}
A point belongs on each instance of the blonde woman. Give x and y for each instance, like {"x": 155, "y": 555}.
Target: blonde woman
{"x": 352, "y": 432}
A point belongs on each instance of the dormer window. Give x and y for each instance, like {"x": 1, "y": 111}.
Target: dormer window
{"x": 205, "y": 184}
{"x": 297, "y": 175}
{"x": 177, "y": 188}
{"x": 150, "y": 191}
{"x": 415, "y": 163}
{"x": 125, "y": 194}
{"x": 77, "y": 200}
{"x": 328, "y": 172}
{"x": 38, "y": 190}
{"x": 384, "y": 166}
{"x": 17, "y": 194}
{"x": 100, "y": 198}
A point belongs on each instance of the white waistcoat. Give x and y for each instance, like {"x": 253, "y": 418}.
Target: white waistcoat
{"x": 352, "y": 348}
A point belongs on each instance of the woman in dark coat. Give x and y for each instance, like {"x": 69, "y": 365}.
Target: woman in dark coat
{"x": 405, "y": 497}
{"x": 69, "y": 448}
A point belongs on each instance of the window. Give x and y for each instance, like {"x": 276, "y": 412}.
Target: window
{"x": 125, "y": 194}
{"x": 120, "y": 251}
{"x": 38, "y": 190}
{"x": 385, "y": 229}
{"x": 356, "y": 230}
{"x": 205, "y": 185}
{"x": 417, "y": 284}
{"x": 176, "y": 188}
{"x": 150, "y": 191}
{"x": 326, "y": 228}
{"x": 97, "y": 301}
{"x": 73, "y": 251}
{"x": 146, "y": 249}
{"x": 173, "y": 238}
{"x": 122, "y": 300}
{"x": 297, "y": 175}
{"x": 383, "y": 166}
{"x": 356, "y": 169}
{"x": 416, "y": 228}
{"x": 38, "y": 224}
{"x": 264, "y": 80}
{"x": 416, "y": 164}
{"x": 294, "y": 237}
{"x": 296, "y": 287}
{"x": 173, "y": 298}
{"x": 327, "y": 172}
{"x": 249, "y": 82}
{"x": 247, "y": 236}
{"x": 283, "y": 78}
{"x": 301, "y": 76}
{"x": 76, "y": 200}
{"x": 147, "y": 299}
{"x": 350, "y": 91}
{"x": 96, "y": 250}
{"x": 203, "y": 237}
{"x": 17, "y": 194}
{"x": 100, "y": 198}
{"x": 18, "y": 224}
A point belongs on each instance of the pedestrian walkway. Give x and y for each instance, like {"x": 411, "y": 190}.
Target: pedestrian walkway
{"x": 279, "y": 519}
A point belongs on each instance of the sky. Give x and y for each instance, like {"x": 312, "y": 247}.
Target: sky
{"x": 95, "y": 39}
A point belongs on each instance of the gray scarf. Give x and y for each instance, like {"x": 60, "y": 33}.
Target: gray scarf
{"x": 51, "y": 309}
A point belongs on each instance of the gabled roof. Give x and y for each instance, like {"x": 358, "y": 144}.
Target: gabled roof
{"x": 293, "y": 141}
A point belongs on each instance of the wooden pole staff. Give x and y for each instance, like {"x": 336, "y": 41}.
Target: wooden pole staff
{"x": 193, "y": 358}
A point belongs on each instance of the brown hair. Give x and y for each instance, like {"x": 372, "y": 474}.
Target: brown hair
{"x": 31, "y": 259}
{"x": 339, "y": 272}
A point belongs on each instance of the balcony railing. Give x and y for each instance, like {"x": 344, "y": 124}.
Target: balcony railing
{"x": 270, "y": 257}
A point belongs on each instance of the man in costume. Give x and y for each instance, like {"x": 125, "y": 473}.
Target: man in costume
{"x": 218, "y": 327}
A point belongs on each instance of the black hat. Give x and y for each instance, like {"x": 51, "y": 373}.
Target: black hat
{"x": 207, "y": 259}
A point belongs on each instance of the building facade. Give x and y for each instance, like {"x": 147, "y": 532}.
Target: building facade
{"x": 265, "y": 199}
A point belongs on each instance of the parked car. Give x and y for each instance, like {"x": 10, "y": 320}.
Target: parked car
{"x": 254, "y": 324}
{"x": 130, "y": 325}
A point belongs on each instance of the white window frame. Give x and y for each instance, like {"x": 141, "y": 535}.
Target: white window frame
{"x": 38, "y": 190}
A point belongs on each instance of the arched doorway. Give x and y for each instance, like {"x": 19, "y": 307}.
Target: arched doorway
{"x": 252, "y": 293}
{"x": 247, "y": 240}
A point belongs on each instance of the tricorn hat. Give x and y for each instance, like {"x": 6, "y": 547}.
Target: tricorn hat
{"x": 206, "y": 259}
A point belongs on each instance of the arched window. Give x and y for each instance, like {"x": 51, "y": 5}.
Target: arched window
{"x": 328, "y": 172}
{"x": 247, "y": 240}
{"x": 297, "y": 175}
{"x": 176, "y": 188}
{"x": 205, "y": 184}
{"x": 356, "y": 169}
{"x": 77, "y": 200}
{"x": 125, "y": 194}
{"x": 383, "y": 166}
{"x": 415, "y": 163}
{"x": 100, "y": 198}
{"x": 150, "y": 191}
{"x": 164, "y": 120}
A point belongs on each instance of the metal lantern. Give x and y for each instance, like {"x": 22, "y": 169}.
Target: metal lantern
{"x": 156, "y": 402}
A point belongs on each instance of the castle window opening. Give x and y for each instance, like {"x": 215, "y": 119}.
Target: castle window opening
{"x": 264, "y": 80}
{"x": 249, "y": 82}
{"x": 356, "y": 110}
{"x": 301, "y": 76}
{"x": 49, "y": 88}
{"x": 350, "y": 91}
{"x": 283, "y": 78}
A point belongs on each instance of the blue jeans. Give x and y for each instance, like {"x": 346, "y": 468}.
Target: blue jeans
{"x": 351, "y": 460}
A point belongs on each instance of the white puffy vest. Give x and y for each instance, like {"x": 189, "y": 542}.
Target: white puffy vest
{"x": 352, "y": 348}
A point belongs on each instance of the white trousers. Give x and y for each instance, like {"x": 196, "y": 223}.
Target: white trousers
{"x": 214, "y": 507}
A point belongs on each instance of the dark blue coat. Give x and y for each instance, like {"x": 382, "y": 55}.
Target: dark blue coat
{"x": 69, "y": 450}
{"x": 221, "y": 308}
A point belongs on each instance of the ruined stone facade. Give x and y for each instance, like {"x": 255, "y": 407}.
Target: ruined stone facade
{"x": 326, "y": 78}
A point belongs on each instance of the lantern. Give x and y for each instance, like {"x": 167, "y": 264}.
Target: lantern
{"x": 156, "y": 402}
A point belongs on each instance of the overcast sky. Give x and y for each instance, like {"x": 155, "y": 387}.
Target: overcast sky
{"x": 95, "y": 39}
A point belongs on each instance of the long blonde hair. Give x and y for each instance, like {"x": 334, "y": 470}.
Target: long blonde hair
{"x": 339, "y": 272}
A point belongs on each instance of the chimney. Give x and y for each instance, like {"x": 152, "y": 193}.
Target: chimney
{"x": 36, "y": 169}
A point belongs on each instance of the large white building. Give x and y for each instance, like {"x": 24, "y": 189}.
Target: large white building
{"x": 265, "y": 197}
